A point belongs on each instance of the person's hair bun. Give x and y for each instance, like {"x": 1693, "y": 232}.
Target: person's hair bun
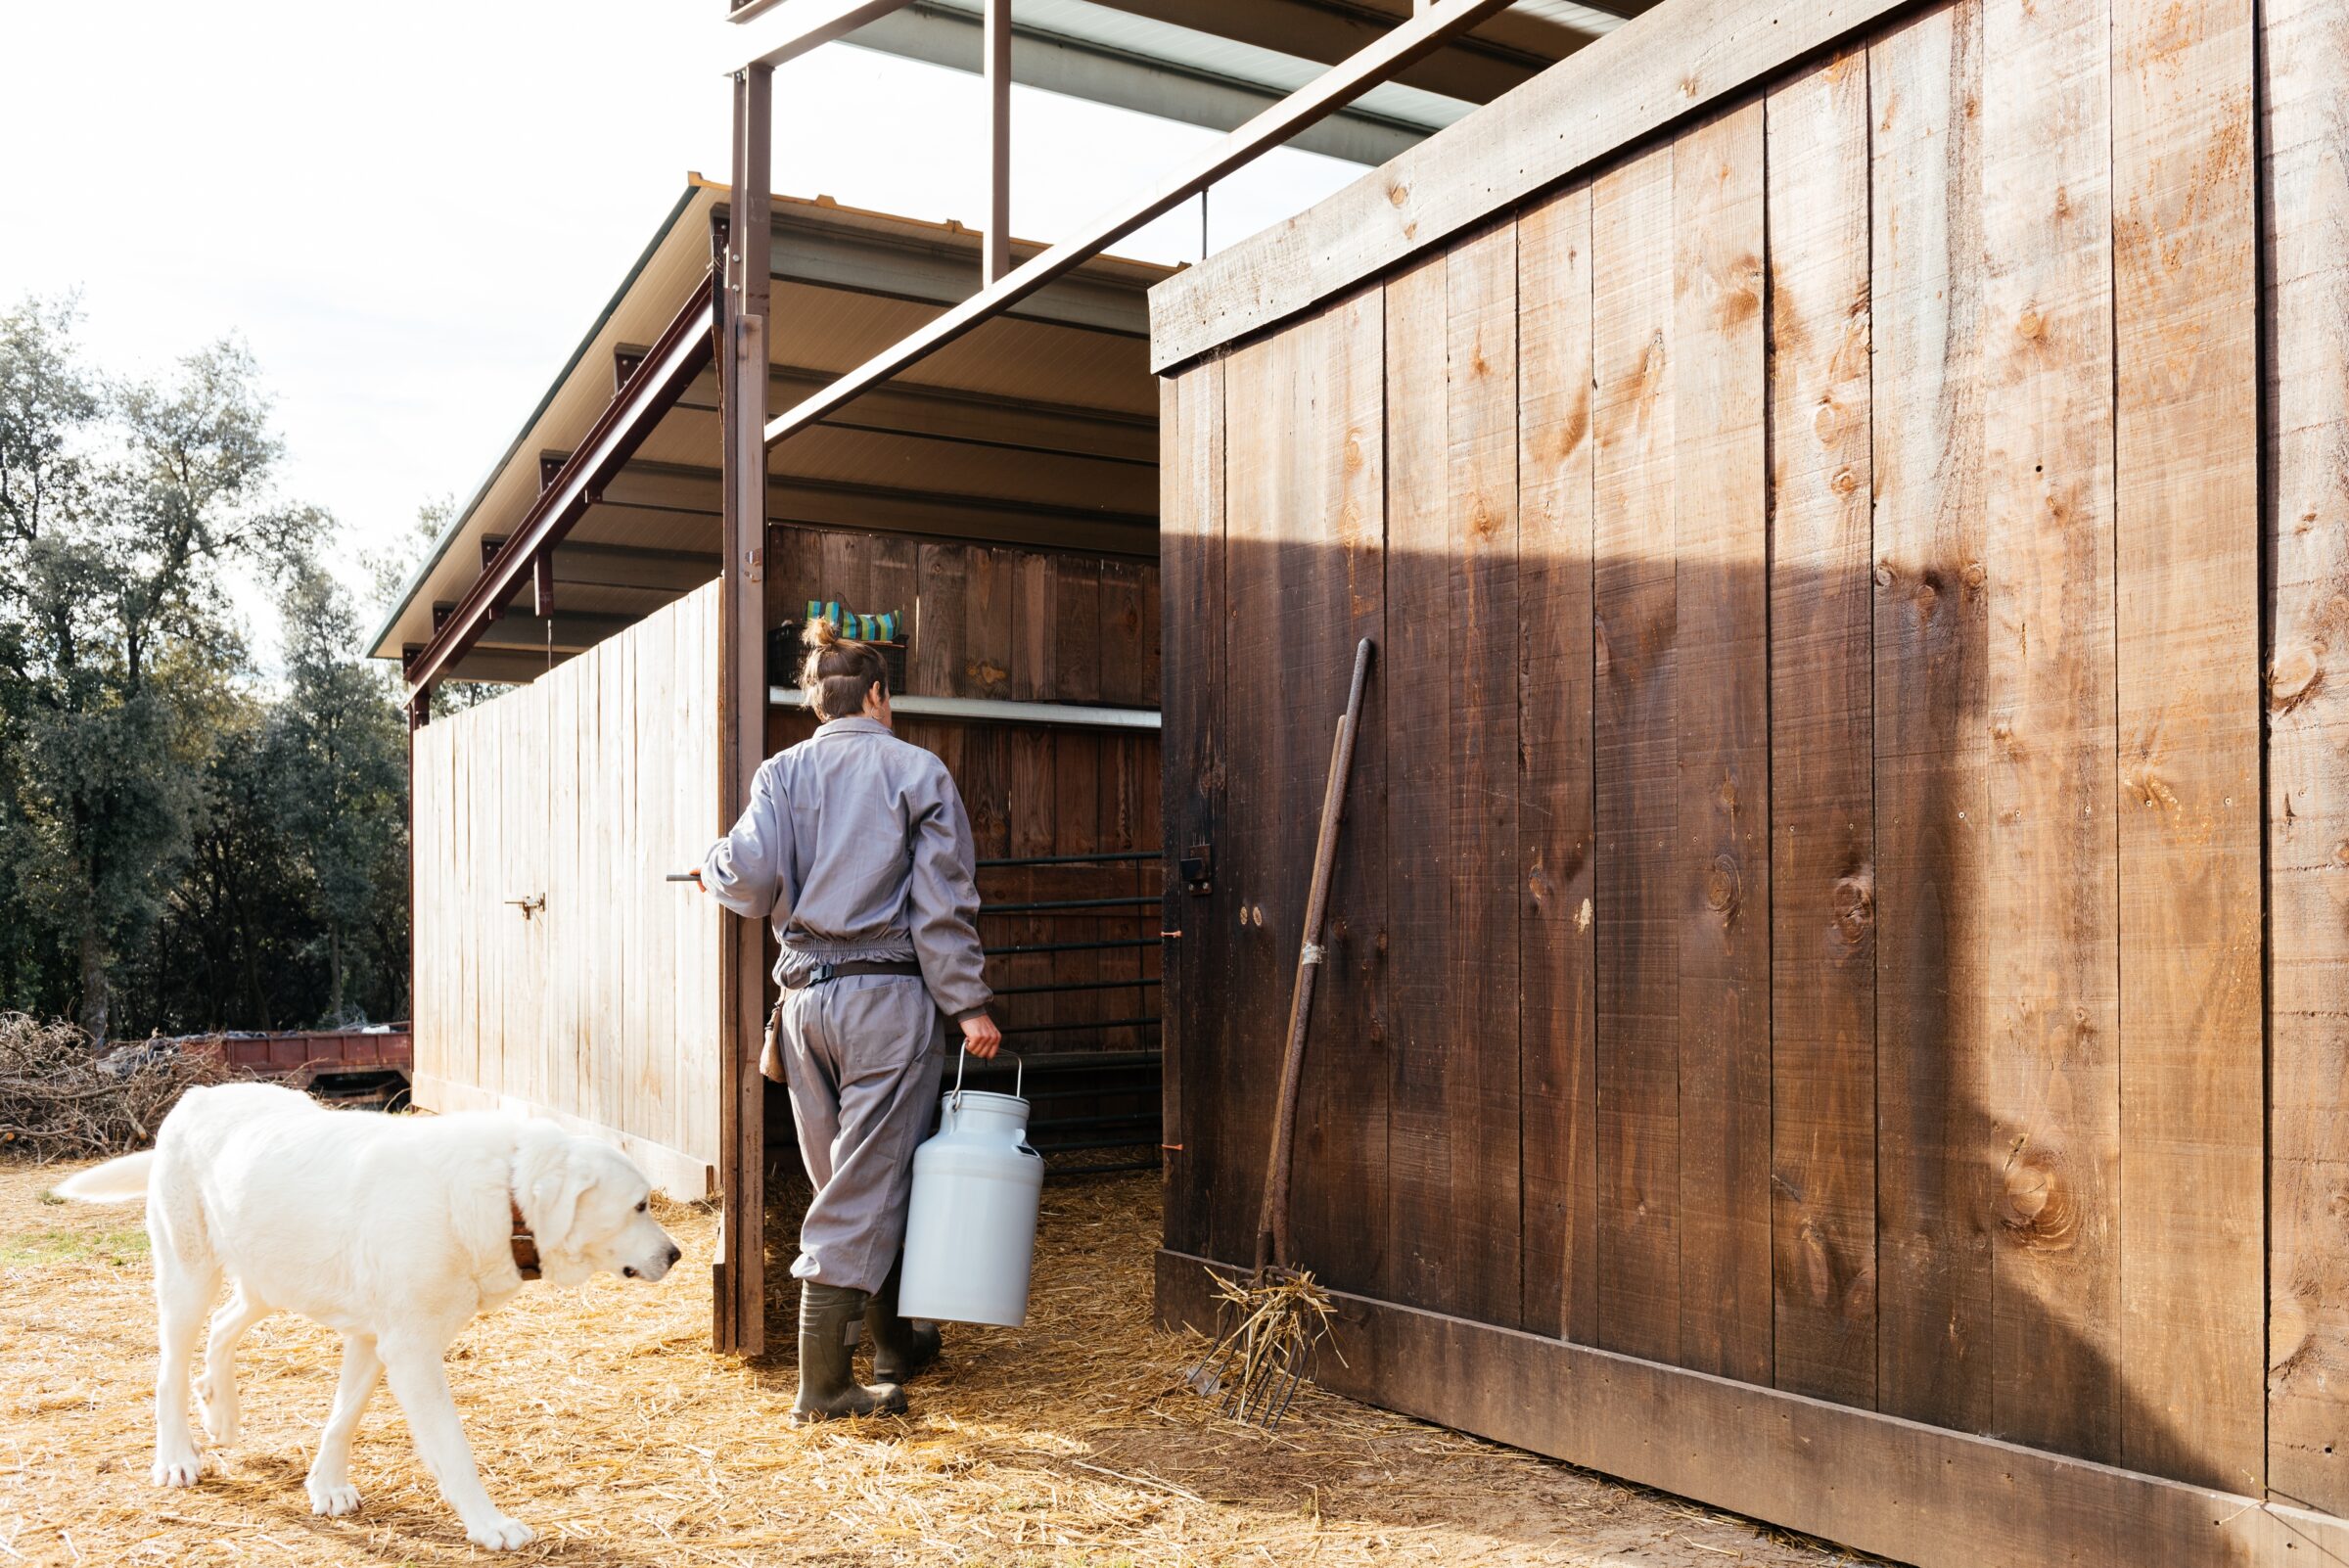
{"x": 838, "y": 670}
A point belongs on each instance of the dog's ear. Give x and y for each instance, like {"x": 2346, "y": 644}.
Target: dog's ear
{"x": 556, "y": 1195}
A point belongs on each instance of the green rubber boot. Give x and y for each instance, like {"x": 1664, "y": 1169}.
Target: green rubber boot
{"x": 900, "y": 1351}
{"x": 828, "y": 1315}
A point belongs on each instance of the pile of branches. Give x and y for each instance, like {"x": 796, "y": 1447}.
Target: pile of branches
{"x": 62, "y": 1099}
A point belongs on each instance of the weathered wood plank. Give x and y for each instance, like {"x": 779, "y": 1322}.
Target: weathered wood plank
{"x": 1719, "y": 868}
{"x": 1425, "y": 1177}
{"x": 1333, "y": 556}
{"x": 1075, "y": 629}
{"x": 1668, "y": 65}
{"x": 1822, "y": 828}
{"x": 1933, "y": 1188}
{"x": 1265, "y": 741}
{"x": 1481, "y": 970}
{"x": 1032, "y": 641}
{"x": 2052, "y": 1088}
{"x": 1558, "y": 1115}
{"x": 988, "y": 627}
{"x": 1635, "y": 606}
{"x": 2192, "y": 1092}
{"x": 2304, "y": 223}
{"x": 1191, "y": 666}
{"x": 1120, "y": 635}
{"x": 1153, "y": 633}
{"x": 1928, "y": 1496}
{"x": 942, "y": 624}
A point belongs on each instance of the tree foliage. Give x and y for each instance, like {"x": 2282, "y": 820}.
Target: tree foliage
{"x": 188, "y": 847}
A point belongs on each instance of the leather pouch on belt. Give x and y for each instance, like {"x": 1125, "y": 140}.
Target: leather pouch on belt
{"x": 770, "y": 1050}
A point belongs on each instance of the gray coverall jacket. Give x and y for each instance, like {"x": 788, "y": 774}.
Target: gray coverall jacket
{"x": 856, "y": 846}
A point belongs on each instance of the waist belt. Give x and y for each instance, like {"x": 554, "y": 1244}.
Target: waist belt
{"x": 823, "y": 972}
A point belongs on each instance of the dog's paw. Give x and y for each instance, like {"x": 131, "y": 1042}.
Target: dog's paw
{"x": 176, "y": 1469}
{"x": 333, "y": 1499}
{"x": 500, "y": 1535}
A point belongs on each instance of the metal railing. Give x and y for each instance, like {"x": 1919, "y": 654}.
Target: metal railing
{"x": 1096, "y": 1088}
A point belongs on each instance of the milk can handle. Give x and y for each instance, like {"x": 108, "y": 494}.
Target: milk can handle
{"x": 1017, "y": 1075}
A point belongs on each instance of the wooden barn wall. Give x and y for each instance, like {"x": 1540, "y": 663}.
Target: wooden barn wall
{"x": 583, "y": 789}
{"x": 1028, "y": 626}
{"x": 1847, "y": 887}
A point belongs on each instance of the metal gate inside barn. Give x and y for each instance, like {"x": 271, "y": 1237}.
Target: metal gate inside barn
{"x": 1798, "y": 1027}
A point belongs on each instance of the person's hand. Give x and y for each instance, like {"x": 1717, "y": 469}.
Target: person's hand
{"x": 981, "y": 1037}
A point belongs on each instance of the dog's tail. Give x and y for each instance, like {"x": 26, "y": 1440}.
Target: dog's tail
{"x": 115, "y": 1181}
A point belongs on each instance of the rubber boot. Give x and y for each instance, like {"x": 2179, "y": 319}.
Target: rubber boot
{"x": 900, "y": 1351}
{"x": 828, "y": 1315}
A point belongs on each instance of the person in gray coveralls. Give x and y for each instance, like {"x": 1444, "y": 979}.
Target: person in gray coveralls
{"x": 856, "y": 848}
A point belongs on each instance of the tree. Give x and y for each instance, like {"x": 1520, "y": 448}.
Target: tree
{"x": 340, "y": 755}
{"x": 120, "y": 505}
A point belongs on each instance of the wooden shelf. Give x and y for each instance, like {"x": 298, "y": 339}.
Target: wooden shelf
{"x": 1072, "y": 715}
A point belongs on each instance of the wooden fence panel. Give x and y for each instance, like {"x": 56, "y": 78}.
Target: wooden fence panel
{"x": 1634, "y": 604}
{"x": 1421, "y": 1186}
{"x": 1194, "y": 789}
{"x": 1888, "y": 635}
{"x": 1332, "y": 560}
{"x": 2304, "y": 215}
{"x": 582, "y": 789}
{"x": 2185, "y": 282}
{"x": 1558, "y": 1117}
{"x": 1821, "y": 759}
{"x": 2052, "y": 924}
{"x": 1932, "y": 733}
{"x": 1719, "y": 867}
{"x": 1451, "y": 675}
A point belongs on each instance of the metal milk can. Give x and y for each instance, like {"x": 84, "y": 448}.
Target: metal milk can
{"x": 970, "y": 1235}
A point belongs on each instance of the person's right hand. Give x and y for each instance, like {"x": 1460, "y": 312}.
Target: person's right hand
{"x": 981, "y": 1037}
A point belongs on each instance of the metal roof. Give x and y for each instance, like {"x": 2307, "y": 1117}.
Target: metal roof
{"x": 1039, "y": 428}
{"x": 1216, "y": 63}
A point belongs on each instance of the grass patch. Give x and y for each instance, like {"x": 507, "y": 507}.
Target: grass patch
{"x": 39, "y": 1247}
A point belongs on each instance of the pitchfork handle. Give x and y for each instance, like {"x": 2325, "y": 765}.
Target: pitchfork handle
{"x": 1272, "y": 1222}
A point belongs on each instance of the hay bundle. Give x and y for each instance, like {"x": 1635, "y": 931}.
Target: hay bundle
{"x": 59, "y": 1099}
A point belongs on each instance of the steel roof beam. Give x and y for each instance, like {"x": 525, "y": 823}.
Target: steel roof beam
{"x": 684, "y": 348}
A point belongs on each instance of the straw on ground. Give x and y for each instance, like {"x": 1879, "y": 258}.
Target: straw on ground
{"x": 602, "y": 1419}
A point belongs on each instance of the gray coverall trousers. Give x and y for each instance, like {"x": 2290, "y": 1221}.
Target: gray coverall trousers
{"x": 856, "y": 847}
{"x": 863, "y": 1055}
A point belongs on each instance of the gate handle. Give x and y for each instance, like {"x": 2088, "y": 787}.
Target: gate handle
{"x": 1019, "y": 1075}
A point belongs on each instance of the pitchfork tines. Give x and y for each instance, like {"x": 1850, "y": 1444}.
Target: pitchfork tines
{"x": 1268, "y": 1331}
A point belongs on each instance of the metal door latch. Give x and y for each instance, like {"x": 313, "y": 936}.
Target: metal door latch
{"x": 530, "y": 905}
{"x": 1198, "y": 868}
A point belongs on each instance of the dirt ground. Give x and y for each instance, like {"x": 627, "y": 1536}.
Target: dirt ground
{"x": 602, "y": 1421}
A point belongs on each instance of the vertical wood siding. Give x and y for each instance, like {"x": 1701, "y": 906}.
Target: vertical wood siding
{"x": 583, "y": 788}
{"x": 1832, "y": 565}
{"x": 2304, "y": 232}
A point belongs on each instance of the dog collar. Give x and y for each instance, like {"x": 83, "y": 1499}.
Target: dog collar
{"x": 525, "y": 1245}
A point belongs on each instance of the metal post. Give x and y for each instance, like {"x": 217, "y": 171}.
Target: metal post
{"x": 740, "y": 1297}
{"x": 996, "y": 251}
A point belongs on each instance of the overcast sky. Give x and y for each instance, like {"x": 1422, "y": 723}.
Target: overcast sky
{"x": 412, "y": 211}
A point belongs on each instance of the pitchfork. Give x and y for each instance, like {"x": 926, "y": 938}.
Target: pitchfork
{"x": 1269, "y": 1328}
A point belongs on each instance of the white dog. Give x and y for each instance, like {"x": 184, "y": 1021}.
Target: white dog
{"x": 393, "y": 1231}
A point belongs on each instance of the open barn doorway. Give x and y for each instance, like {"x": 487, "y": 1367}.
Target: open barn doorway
{"x": 1034, "y": 674}
{"x": 999, "y": 504}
